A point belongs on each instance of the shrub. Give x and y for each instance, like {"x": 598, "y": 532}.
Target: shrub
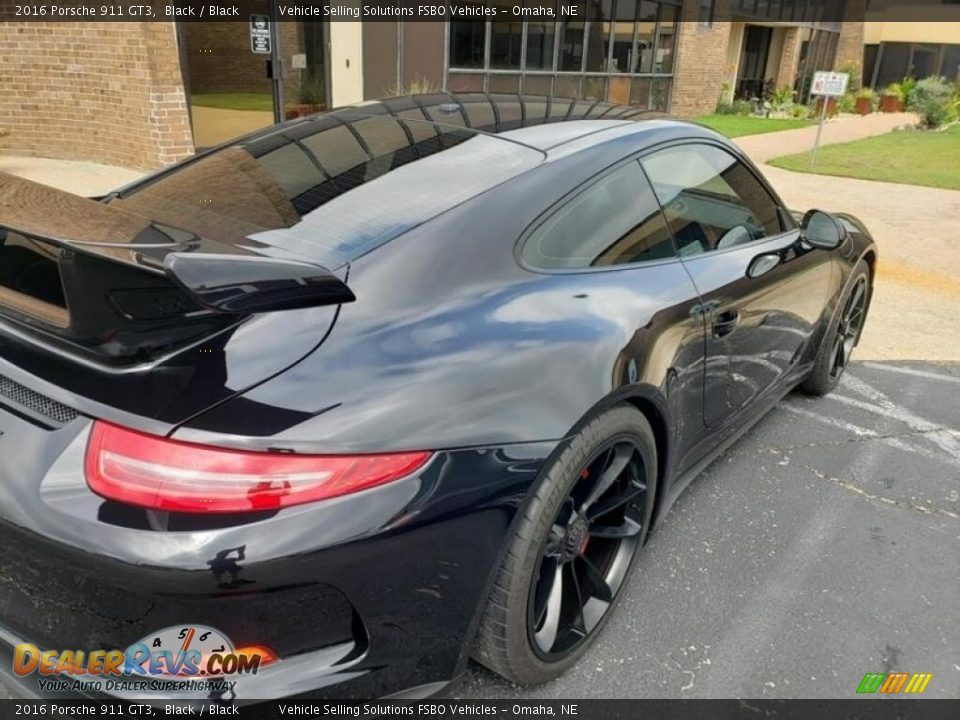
{"x": 782, "y": 97}
{"x": 846, "y": 103}
{"x": 933, "y": 99}
{"x": 725, "y": 109}
{"x": 801, "y": 111}
{"x": 907, "y": 88}
{"x": 894, "y": 90}
{"x": 742, "y": 107}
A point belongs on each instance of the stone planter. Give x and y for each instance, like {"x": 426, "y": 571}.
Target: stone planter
{"x": 890, "y": 104}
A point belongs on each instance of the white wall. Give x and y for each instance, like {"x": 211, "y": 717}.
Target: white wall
{"x": 346, "y": 62}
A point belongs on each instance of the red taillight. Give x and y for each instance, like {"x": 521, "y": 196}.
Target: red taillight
{"x": 163, "y": 474}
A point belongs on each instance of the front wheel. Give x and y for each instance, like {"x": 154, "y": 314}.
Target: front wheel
{"x": 842, "y": 336}
{"x": 572, "y": 550}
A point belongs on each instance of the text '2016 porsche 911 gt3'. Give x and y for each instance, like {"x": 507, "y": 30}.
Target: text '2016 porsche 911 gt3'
{"x": 383, "y": 389}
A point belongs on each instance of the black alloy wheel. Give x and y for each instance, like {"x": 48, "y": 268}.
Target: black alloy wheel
{"x": 589, "y": 550}
{"x": 850, "y": 327}
{"x": 843, "y": 334}
{"x": 571, "y": 549}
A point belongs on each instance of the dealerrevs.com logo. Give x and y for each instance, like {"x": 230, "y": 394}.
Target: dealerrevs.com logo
{"x": 181, "y": 659}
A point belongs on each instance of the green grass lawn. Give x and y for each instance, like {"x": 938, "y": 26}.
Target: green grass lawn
{"x": 927, "y": 158}
{"x": 739, "y": 125}
{"x": 234, "y": 100}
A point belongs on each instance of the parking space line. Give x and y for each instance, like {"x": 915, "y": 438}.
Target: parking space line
{"x": 911, "y": 371}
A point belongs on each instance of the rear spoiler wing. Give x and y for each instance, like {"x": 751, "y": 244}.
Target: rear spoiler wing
{"x": 221, "y": 282}
{"x": 254, "y": 283}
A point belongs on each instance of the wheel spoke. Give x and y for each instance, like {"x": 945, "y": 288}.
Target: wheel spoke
{"x": 632, "y": 491}
{"x": 601, "y": 590}
{"x": 579, "y": 622}
{"x": 546, "y": 636}
{"x": 614, "y": 467}
{"x": 838, "y": 354}
{"x": 855, "y": 300}
{"x": 554, "y": 545}
{"x": 629, "y": 528}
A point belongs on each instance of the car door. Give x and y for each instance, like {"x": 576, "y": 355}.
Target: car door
{"x": 723, "y": 218}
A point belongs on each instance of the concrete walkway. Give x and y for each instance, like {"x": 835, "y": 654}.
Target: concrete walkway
{"x": 846, "y": 128}
{"x": 80, "y": 178}
{"x": 913, "y": 315}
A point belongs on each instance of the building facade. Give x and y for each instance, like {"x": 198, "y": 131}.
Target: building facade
{"x": 144, "y": 95}
{"x": 911, "y": 39}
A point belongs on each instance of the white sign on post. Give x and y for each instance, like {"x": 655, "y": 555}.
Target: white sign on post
{"x": 826, "y": 85}
{"x": 830, "y": 84}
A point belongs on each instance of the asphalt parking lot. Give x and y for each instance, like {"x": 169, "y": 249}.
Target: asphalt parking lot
{"x": 824, "y": 545}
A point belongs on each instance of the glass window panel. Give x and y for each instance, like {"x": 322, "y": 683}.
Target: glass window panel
{"x": 462, "y": 82}
{"x": 538, "y": 84}
{"x": 710, "y": 199}
{"x": 660, "y": 95}
{"x": 567, "y": 86}
{"x": 646, "y": 37}
{"x": 572, "y": 40}
{"x": 541, "y": 36}
{"x": 624, "y": 29}
{"x": 467, "y": 43}
{"x": 614, "y": 221}
{"x": 504, "y": 83}
{"x": 506, "y": 39}
{"x": 951, "y": 63}
{"x": 666, "y": 38}
{"x": 618, "y": 90}
{"x": 598, "y": 43}
{"x": 640, "y": 92}
{"x": 595, "y": 88}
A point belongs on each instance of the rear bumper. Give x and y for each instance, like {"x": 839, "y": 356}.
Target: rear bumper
{"x": 365, "y": 596}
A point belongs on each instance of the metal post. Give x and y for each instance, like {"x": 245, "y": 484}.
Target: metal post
{"x": 823, "y": 119}
{"x": 276, "y": 61}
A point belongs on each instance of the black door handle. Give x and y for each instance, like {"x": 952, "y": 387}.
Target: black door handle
{"x": 725, "y": 323}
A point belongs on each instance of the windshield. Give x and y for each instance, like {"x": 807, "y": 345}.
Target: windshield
{"x": 331, "y": 188}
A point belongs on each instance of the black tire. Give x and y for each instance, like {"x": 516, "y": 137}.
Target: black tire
{"x": 507, "y": 640}
{"x": 842, "y": 335}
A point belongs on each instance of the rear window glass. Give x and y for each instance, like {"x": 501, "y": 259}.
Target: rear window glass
{"x": 331, "y": 194}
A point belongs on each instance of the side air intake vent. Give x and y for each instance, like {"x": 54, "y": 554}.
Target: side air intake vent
{"x": 40, "y": 406}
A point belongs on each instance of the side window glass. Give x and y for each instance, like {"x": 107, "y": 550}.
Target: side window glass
{"x": 710, "y": 199}
{"x": 614, "y": 221}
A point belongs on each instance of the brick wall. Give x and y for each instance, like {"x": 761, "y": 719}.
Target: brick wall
{"x": 850, "y": 43}
{"x": 106, "y": 92}
{"x": 701, "y": 61}
{"x": 789, "y": 57}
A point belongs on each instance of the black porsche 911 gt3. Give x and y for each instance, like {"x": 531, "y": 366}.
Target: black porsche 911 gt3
{"x": 386, "y": 388}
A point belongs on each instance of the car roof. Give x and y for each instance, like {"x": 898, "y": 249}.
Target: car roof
{"x": 333, "y": 186}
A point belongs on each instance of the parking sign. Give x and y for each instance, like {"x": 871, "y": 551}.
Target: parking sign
{"x": 830, "y": 84}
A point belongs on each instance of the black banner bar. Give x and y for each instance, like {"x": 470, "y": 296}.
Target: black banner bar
{"x": 854, "y": 709}
{"x": 420, "y": 11}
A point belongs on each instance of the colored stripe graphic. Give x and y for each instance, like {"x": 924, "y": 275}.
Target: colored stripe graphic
{"x": 870, "y": 683}
{"x": 893, "y": 683}
{"x": 918, "y": 683}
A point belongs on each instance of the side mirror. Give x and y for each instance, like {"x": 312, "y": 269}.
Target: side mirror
{"x": 822, "y": 230}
